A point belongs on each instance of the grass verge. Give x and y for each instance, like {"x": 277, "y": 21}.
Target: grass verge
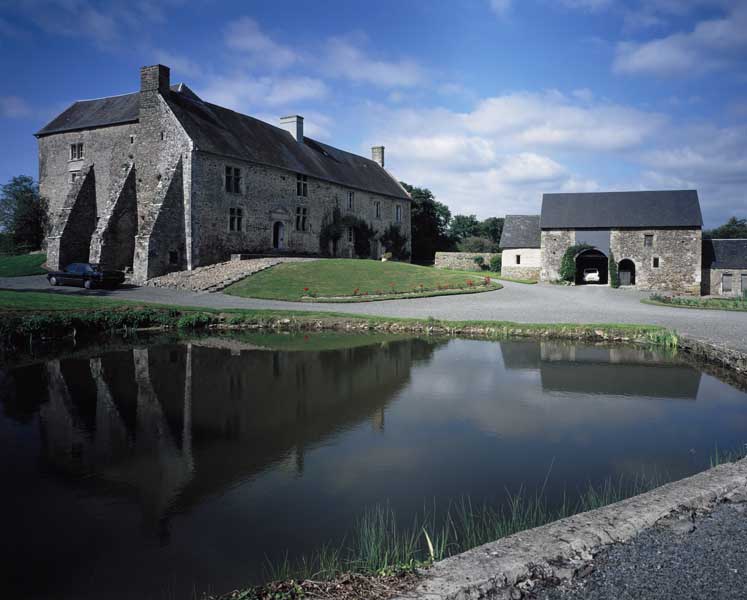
{"x": 22, "y": 264}
{"x": 25, "y": 316}
{"x": 732, "y": 304}
{"x": 514, "y": 280}
{"x": 356, "y": 281}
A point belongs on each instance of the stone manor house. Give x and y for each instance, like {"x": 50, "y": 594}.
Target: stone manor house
{"x": 655, "y": 237}
{"x": 160, "y": 180}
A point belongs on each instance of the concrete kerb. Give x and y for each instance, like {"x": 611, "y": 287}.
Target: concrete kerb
{"x": 502, "y": 569}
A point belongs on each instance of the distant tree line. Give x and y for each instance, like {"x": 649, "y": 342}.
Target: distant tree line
{"x": 434, "y": 229}
{"x": 23, "y": 216}
{"x": 733, "y": 228}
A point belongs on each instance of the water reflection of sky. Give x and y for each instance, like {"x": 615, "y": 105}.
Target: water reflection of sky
{"x": 190, "y": 463}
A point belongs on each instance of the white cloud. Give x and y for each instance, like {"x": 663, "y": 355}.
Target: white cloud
{"x": 712, "y": 44}
{"x": 503, "y": 154}
{"x": 177, "y": 63}
{"x": 245, "y": 35}
{"x": 13, "y": 107}
{"x": 345, "y": 59}
{"x": 552, "y": 119}
{"x": 248, "y": 94}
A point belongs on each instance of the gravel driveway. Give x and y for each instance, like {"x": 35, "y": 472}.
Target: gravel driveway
{"x": 515, "y": 302}
{"x": 689, "y": 561}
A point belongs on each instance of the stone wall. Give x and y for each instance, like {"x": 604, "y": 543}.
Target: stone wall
{"x": 163, "y": 154}
{"x": 712, "y": 280}
{"x": 111, "y": 151}
{"x": 268, "y": 195}
{"x": 679, "y": 253}
{"x": 554, "y": 244}
{"x": 527, "y": 266}
{"x": 462, "y": 261}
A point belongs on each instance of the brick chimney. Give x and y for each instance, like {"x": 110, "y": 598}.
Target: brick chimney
{"x": 293, "y": 124}
{"x": 377, "y": 155}
{"x": 155, "y": 78}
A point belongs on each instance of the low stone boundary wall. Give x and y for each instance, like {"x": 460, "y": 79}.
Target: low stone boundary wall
{"x": 560, "y": 550}
{"x": 462, "y": 261}
{"x": 514, "y": 272}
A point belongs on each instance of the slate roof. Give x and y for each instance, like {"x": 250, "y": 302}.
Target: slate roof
{"x": 227, "y": 133}
{"x": 725, "y": 254}
{"x": 600, "y": 210}
{"x": 521, "y": 231}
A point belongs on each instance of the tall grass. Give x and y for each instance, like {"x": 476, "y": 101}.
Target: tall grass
{"x": 379, "y": 544}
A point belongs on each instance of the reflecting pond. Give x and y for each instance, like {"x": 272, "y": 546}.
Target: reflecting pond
{"x": 154, "y": 470}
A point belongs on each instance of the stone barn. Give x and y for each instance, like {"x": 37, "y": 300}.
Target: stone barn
{"x": 654, "y": 238}
{"x": 160, "y": 180}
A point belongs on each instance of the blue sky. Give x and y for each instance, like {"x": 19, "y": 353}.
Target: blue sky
{"x": 487, "y": 102}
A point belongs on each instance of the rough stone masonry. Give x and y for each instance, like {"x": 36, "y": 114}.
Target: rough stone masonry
{"x": 160, "y": 180}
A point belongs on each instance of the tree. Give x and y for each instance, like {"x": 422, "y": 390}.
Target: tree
{"x": 614, "y": 275}
{"x": 429, "y": 221}
{"x": 492, "y": 228}
{"x": 733, "y": 228}
{"x": 23, "y": 214}
{"x": 395, "y": 241}
{"x": 464, "y": 226}
{"x": 477, "y": 244}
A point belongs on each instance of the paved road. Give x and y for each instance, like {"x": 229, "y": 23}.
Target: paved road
{"x": 671, "y": 563}
{"x": 515, "y": 302}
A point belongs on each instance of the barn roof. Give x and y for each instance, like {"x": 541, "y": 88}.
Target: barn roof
{"x": 521, "y": 231}
{"x": 600, "y": 210}
{"x": 725, "y": 254}
{"x": 227, "y": 133}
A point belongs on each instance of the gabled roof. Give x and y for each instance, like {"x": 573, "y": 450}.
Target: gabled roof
{"x": 227, "y": 133}
{"x": 521, "y": 231}
{"x": 101, "y": 112}
{"x": 601, "y": 210}
{"x": 725, "y": 254}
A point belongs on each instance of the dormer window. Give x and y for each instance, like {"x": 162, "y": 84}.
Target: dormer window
{"x": 76, "y": 151}
{"x": 302, "y": 185}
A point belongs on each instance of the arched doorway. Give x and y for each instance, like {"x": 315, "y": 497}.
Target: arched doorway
{"x": 626, "y": 269}
{"x": 587, "y": 262}
{"x": 278, "y": 235}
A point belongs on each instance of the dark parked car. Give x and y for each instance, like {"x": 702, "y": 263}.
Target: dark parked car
{"x": 85, "y": 275}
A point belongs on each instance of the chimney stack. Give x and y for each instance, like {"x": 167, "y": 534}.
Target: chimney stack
{"x": 293, "y": 124}
{"x": 377, "y": 155}
{"x": 155, "y": 78}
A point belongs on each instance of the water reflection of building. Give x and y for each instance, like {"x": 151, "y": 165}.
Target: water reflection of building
{"x": 600, "y": 370}
{"x": 172, "y": 424}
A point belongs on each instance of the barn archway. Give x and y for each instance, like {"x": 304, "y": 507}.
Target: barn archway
{"x": 588, "y": 260}
{"x": 626, "y": 270}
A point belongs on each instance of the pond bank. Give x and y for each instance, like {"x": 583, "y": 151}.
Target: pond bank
{"x": 560, "y": 551}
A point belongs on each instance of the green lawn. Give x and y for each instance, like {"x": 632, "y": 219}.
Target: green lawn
{"x": 733, "y": 303}
{"x": 22, "y": 264}
{"x": 355, "y": 280}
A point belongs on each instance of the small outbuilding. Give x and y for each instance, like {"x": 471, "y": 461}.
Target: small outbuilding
{"x": 520, "y": 246}
{"x": 725, "y": 267}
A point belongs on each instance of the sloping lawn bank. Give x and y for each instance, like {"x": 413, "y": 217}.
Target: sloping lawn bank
{"x": 356, "y": 281}
{"x": 22, "y": 264}
{"x": 25, "y": 316}
{"x": 733, "y": 304}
